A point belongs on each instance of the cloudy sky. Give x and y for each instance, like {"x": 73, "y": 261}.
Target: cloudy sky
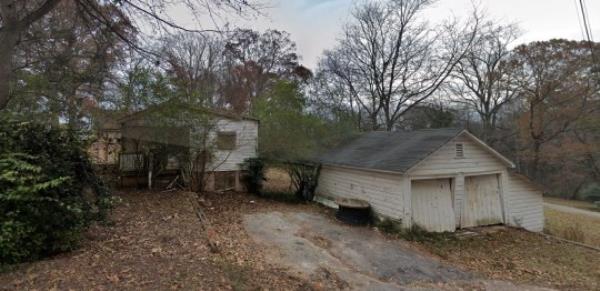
{"x": 315, "y": 24}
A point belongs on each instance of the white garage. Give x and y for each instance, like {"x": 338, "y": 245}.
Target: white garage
{"x": 439, "y": 180}
{"x": 432, "y": 204}
{"x": 482, "y": 204}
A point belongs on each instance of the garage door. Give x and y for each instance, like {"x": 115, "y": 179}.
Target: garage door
{"x": 432, "y": 205}
{"x": 482, "y": 202}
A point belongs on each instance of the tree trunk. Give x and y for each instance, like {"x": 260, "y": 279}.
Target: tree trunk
{"x": 576, "y": 191}
{"x": 374, "y": 125}
{"x": 389, "y": 125}
{"x": 535, "y": 164}
{"x": 9, "y": 36}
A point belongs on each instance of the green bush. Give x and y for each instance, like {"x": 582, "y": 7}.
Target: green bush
{"x": 390, "y": 226}
{"x": 255, "y": 174}
{"x": 48, "y": 191}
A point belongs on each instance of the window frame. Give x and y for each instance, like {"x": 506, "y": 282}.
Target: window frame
{"x": 229, "y": 134}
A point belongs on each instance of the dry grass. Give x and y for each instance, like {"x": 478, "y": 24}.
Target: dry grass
{"x": 577, "y": 227}
{"x": 520, "y": 256}
{"x": 572, "y": 203}
{"x": 278, "y": 180}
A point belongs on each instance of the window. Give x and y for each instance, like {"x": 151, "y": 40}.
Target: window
{"x": 460, "y": 152}
{"x": 226, "y": 141}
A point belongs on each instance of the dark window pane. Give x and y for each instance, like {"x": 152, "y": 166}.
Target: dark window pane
{"x": 226, "y": 141}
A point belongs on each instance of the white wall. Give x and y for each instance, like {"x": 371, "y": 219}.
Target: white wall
{"x": 444, "y": 161}
{"x": 432, "y": 205}
{"x": 385, "y": 192}
{"x": 390, "y": 194}
{"x": 246, "y": 144}
{"x": 525, "y": 204}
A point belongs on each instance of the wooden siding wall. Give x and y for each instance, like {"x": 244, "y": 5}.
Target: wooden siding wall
{"x": 525, "y": 203}
{"x": 390, "y": 195}
{"x": 444, "y": 163}
{"x": 246, "y": 139}
{"x": 383, "y": 191}
{"x": 246, "y": 144}
{"x": 432, "y": 205}
{"x": 482, "y": 201}
{"x": 444, "y": 160}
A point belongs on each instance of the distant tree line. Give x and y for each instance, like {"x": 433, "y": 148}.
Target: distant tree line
{"x": 391, "y": 69}
{"x": 537, "y": 103}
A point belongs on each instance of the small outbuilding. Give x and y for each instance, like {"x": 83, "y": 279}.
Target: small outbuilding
{"x": 439, "y": 179}
{"x": 156, "y": 144}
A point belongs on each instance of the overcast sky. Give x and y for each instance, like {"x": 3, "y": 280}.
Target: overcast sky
{"x": 315, "y": 24}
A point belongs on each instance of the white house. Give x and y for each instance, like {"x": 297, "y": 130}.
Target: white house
{"x": 231, "y": 138}
{"x": 440, "y": 180}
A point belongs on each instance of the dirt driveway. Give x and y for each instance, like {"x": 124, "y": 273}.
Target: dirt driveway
{"x": 357, "y": 258}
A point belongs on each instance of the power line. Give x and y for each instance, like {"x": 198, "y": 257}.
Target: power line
{"x": 585, "y": 21}
{"x": 588, "y": 34}
{"x": 579, "y": 19}
{"x": 589, "y": 24}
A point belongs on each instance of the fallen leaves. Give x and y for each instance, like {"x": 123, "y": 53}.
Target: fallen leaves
{"x": 520, "y": 256}
{"x": 157, "y": 242}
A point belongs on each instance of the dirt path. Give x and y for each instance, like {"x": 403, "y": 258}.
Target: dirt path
{"x": 356, "y": 257}
{"x": 572, "y": 210}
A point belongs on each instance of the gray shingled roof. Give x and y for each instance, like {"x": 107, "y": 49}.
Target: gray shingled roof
{"x": 389, "y": 151}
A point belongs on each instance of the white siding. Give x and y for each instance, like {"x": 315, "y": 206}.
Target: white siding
{"x": 444, "y": 161}
{"x": 482, "y": 204}
{"x": 525, "y": 204}
{"x": 246, "y": 144}
{"x": 432, "y": 205}
{"x": 390, "y": 194}
{"x": 459, "y": 196}
{"x": 383, "y": 191}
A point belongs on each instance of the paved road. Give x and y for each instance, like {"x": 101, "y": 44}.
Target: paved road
{"x": 573, "y": 210}
{"x": 312, "y": 244}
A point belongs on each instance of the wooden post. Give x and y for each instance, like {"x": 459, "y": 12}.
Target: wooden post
{"x": 149, "y": 171}
{"x": 406, "y": 193}
{"x": 459, "y": 197}
{"x": 238, "y": 185}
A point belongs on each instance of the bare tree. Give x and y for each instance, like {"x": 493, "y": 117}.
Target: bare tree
{"x": 195, "y": 64}
{"x": 391, "y": 60}
{"x": 17, "y": 17}
{"x": 329, "y": 99}
{"x": 485, "y": 78}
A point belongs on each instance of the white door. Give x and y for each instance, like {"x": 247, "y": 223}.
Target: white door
{"x": 482, "y": 202}
{"x": 432, "y": 205}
